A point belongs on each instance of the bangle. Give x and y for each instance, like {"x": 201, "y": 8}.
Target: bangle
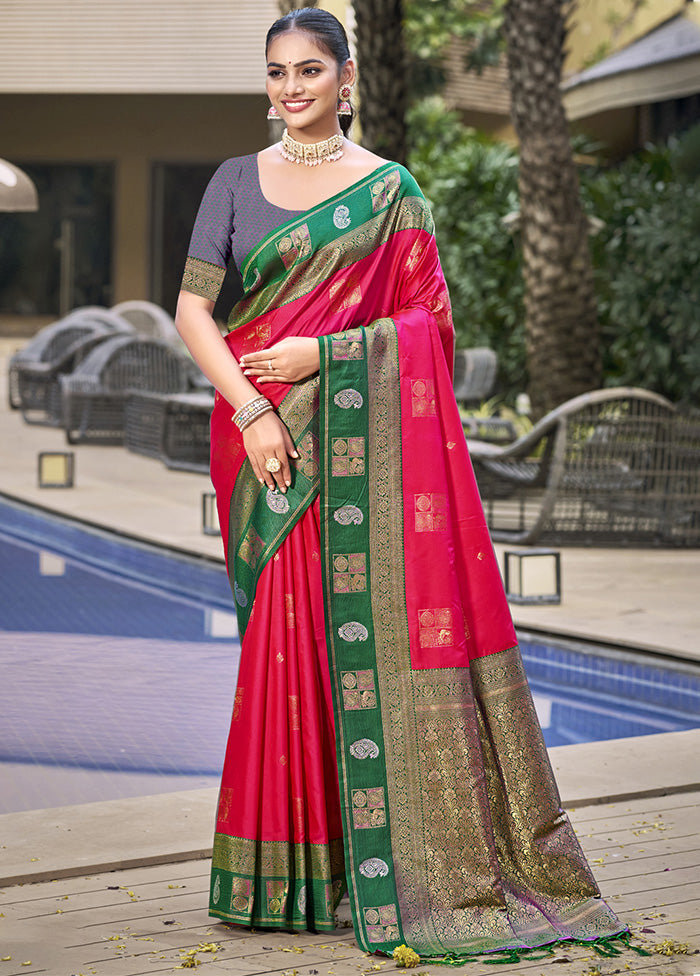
{"x": 250, "y": 411}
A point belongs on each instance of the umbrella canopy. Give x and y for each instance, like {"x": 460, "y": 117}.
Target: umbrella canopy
{"x": 17, "y": 192}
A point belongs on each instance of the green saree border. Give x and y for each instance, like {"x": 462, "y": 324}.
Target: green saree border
{"x": 276, "y": 884}
{"x": 347, "y": 580}
{"x": 261, "y": 519}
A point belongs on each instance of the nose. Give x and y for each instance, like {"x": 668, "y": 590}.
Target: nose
{"x": 293, "y": 84}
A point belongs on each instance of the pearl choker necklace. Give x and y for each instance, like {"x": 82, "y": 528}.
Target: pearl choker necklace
{"x": 311, "y": 153}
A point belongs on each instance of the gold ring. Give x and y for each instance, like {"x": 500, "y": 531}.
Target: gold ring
{"x": 273, "y": 465}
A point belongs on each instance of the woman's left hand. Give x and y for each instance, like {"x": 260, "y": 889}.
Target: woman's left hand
{"x": 288, "y": 361}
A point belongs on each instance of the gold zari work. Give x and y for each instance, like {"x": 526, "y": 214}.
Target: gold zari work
{"x": 202, "y": 278}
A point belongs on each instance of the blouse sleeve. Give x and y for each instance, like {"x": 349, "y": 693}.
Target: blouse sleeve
{"x": 210, "y": 246}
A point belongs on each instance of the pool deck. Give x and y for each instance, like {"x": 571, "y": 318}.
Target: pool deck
{"x": 118, "y": 888}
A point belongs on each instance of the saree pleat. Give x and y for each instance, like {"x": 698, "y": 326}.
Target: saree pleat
{"x": 383, "y": 734}
{"x": 278, "y": 847}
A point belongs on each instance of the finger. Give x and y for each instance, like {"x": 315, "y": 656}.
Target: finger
{"x": 289, "y": 444}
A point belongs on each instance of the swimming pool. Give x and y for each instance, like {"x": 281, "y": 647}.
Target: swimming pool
{"x": 119, "y": 664}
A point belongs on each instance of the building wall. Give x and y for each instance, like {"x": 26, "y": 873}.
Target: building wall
{"x": 133, "y": 46}
{"x": 133, "y": 132}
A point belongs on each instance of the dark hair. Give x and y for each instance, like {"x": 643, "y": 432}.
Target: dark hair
{"x": 327, "y": 32}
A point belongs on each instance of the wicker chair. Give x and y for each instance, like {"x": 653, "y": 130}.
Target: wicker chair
{"x": 618, "y": 466}
{"x": 149, "y": 320}
{"x": 171, "y": 427}
{"x": 95, "y": 395}
{"x": 56, "y": 350}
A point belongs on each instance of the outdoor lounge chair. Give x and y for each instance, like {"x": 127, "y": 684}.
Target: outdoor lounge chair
{"x": 95, "y": 395}
{"x": 56, "y": 350}
{"x": 149, "y": 320}
{"x": 171, "y": 427}
{"x": 617, "y": 466}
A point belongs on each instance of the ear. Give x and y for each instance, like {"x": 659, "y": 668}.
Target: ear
{"x": 347, "y": 73}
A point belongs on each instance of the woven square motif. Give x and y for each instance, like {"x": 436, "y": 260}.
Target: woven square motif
{"x": 430, "y": 512}
{"x": 349, "y": 572}
{"x": 241, "y": 896}
{"x": 381, "y": 923}
{"x": 358, "y": 690}
{"x": 348, "y": 459}
{"x": 276, "y": 896}
{"x": 384, "y": 191}
{"x": 295, "y": 247}
{"x": 435, "y": 627}
{"x": 348, "y": 345}
{"x": 368, "y": 808}
{"x": 423, "y": 398}
{"x": 251, "y": 547}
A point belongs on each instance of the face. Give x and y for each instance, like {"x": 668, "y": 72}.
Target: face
{"x": 303, "y": 81}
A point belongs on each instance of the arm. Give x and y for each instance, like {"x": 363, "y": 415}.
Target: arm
{"x": 267, "y": 437}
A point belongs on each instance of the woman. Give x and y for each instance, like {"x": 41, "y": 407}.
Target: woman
{"x": 383, "y": 735}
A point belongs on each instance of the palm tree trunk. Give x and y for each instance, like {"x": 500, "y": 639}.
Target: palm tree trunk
{"x": 382, "y": 76}
{"x": 560, "y": 307}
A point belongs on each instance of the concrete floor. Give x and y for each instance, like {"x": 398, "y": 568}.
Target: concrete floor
{"x": 634, "y": 802}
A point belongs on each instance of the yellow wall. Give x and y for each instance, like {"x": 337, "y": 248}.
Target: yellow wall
{"x": 599, "y": 27}
{"x": 132, "y": 132}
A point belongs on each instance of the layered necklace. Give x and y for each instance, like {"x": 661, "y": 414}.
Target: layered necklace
{"x": 311, "y": 153}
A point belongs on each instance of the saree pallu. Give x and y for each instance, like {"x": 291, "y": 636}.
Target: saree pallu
{"x": 383, "y": 734}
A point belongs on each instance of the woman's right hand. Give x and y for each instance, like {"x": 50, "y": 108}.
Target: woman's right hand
{"x": 267, "y": 437}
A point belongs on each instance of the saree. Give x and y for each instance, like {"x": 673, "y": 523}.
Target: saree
{"x": 383, "y": 737}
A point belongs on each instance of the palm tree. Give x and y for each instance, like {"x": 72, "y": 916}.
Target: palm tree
{"x": 382, "y": 77}
{"x": 560, "y": 307}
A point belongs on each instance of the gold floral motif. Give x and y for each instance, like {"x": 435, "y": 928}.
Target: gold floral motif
{"x": 349, "y": 572}
{"x": 293, "y": 711}
{"x": 384, "y": 191}
{"x": 225, "y": 803}
{"x": 251, "y": 547}
{"x": 358, "y": 690}
{"x": 423, "y": 398}
{"x": 345, "y": 293}
{"x": 368, "y": 808}
{"x": 238, "y": 703}
{"x": 295, "y": 247}
{"x": 430, "y": 510}
{"x": 290, "y": 616}
{"x": 435, "y": 627}
{"x": 276, "y": 896}
{"x": 348, "y": 456}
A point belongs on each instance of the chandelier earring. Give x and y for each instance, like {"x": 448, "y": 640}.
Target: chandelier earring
{"x": 272, "y": 114}
{"x": 344, "y": 107}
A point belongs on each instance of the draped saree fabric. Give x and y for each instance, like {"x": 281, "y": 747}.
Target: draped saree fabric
{"x": 383, "y": 734}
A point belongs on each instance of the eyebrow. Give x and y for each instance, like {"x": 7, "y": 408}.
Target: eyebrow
{"x": 299, "y": 64}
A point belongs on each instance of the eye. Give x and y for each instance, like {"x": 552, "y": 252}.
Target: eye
{"x": 274, "y": 73}
{"x": 312, "y": 71}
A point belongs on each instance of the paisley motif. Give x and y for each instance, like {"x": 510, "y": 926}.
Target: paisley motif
{"x": 240, "y": 595}
{"x": 353, "y": 631}
{"x": 348, "y": 514}
{"x": 364, "y": 749}
{"x": 301, "y": 900}
{"x": 216, "y": 892}
{"x": 277, "y": 502}
{"x": 348, "y": 398}
{"x": 341, "y": 217}
{"x": 374, "y": 867}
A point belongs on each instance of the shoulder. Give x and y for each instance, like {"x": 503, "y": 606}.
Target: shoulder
{"x": 229, "y": 173}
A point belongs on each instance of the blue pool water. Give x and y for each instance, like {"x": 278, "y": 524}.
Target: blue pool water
{"x": 119, "y": 665}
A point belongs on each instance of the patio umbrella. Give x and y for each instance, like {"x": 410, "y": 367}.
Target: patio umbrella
{"x": 17, "y": 192}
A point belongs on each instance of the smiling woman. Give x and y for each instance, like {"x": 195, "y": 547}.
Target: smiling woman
{"x": 383, "y": 736}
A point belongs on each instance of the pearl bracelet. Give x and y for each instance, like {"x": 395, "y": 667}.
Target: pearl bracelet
{"x": 250, "y": 411}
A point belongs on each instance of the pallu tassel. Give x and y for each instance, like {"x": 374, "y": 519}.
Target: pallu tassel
{"x": 613, "y": 945}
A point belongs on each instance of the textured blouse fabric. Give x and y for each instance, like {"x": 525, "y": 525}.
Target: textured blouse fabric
{"x": 233, "y": 217}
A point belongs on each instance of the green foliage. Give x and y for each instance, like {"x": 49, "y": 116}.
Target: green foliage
{"x": 471, "y": 185}
{"x": 646, "y": 256}
{"x": 646, "y": 259}
{"x": 429, "y": 27}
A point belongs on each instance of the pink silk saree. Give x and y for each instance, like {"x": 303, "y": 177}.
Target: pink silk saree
{"x": 383, "y": 734}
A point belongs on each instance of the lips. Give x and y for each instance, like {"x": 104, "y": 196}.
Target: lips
{"x": 297, "y": 106}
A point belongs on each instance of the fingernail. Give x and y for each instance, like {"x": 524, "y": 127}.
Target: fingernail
{"x": 287, "y": 483}
{"x": 295, "y": 454}
{"x": 283, "y": 490}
